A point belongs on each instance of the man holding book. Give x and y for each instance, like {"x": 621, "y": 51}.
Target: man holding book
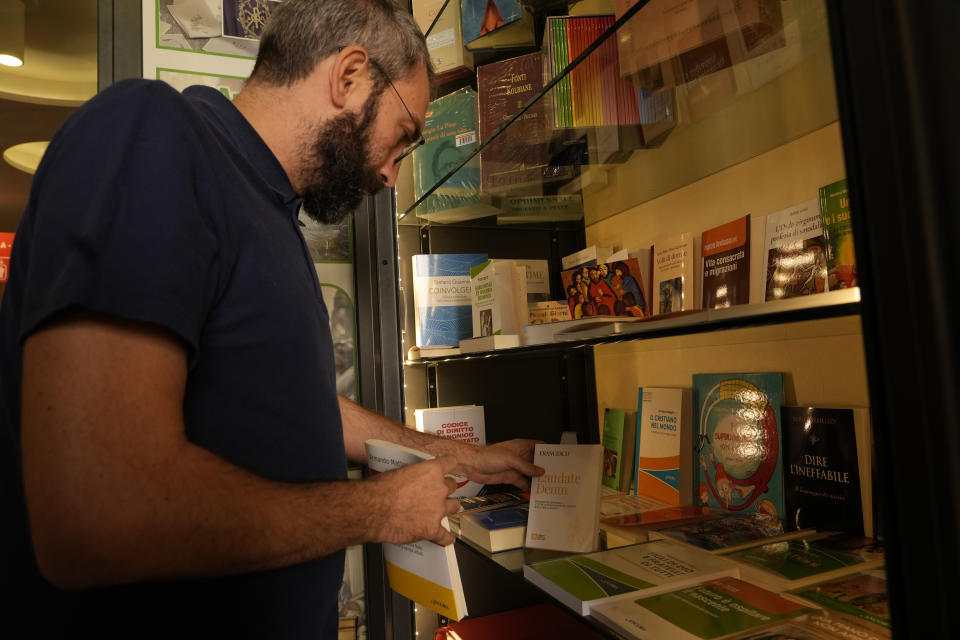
{"x": 174, "y": 449}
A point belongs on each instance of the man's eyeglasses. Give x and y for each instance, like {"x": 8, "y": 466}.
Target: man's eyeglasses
{"x": 416, "y": 128}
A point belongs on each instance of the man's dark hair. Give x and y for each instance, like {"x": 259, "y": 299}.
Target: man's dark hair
{"x": 301, "y": 33}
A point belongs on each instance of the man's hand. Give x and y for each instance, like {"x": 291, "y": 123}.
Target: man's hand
{"x": 415, "y": 500}
{"x": 508, "y": 462}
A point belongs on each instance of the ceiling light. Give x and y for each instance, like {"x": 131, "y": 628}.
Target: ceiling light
{"x": 11, "y": 33}
{"x": 26, "y": 156}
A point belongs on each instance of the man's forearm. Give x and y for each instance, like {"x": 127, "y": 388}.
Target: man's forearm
{"x": 360, "y": 425}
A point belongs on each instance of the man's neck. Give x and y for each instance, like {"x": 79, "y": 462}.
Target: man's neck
{"x": 274, "y": 114}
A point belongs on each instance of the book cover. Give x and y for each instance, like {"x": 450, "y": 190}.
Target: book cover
{"x": 796, "y": 252}
{"x": 423, "y": 571}
{"x": 644, "y": 258}
{"x": 498, "y": 298}
{"x": 729, "y": 532}
{"x": 838, "y": 230}
{"x": 617, "y": 440}
{"x": 464, "y": 423}
{"x": 863, "y": 595}
{"x": 445, "y": 41}
{"x": 492, "y": 24}
{"x": 584, "y": 582}
{"x": 819, "y": 625}
{"x": 538, "y": 280}
{"x": 450, "y": 134}
{"x": 739, "y": 448}
{"x": 658, "y": 465}
{"x": 821, "y": 471}
{"x": 800, "y": 562}
{"x": 442, "y": 297}
{"x": 721, "y": 608}
{"x": 497, "y": 529}
{"x": 676, "y": 261}
{"x": 517, "y": 159}
{"x": 565, "y": 500}
{"x": 604, "y": 289}
{"x": 726, "y": 264}
{"x": 487, "y": 501}
{"x": 197, "y": 18}
{"x": 549, "y": 311}
{"x": 6, "y": 249}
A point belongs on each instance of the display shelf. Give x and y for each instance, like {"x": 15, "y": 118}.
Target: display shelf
{"x": 845, "y": 302}
{"x": 778, "y": 92}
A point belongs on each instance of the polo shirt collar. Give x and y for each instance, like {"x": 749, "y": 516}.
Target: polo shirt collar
{"x": 246, "y": 138}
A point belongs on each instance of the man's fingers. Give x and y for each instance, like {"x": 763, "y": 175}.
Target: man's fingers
{"x": 451, "y": 484}
{"x": 453, "y": 506}
{"x": 443, "y": 537}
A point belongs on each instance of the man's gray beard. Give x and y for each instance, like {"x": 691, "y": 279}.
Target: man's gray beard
{"x": 339, "y": 177}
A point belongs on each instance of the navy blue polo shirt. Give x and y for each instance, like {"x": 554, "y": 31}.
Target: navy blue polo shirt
{"x": 170, "y": 209}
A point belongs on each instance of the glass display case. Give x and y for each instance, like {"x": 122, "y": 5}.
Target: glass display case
{"x": 622, "y": 125}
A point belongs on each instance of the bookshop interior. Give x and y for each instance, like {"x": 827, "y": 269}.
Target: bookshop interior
{"x": 699, "y": 249}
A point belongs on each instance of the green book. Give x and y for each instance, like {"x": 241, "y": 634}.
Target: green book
{"x": 716, "y": 609}
{"x": 617, "y": 441}
{"x": 800, "y": 562}
{"x": 838, "y": 231}
{"x": 863, "y": 594}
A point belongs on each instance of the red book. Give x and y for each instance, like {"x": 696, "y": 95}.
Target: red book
{"x": 726, "y": 264}
{"x": 6, "y": 246}
{"x": 539, "y": 622}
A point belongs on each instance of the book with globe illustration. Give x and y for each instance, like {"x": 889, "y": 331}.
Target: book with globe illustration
{"x": 451, "y": 134}
{"x": 738, "y": 443}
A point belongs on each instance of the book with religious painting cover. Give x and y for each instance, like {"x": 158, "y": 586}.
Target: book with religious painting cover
{"x": 605, "y": 289}
{"x": 739, "y": 450}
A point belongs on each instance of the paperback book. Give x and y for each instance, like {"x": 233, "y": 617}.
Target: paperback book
{"x": 565, "y": 500}
{"x": 820, "y": 469}
{"x": 490, "y": 24}
{"x": 838, "y": 230}
{"x": 676, "y": 261}
{"x": 586, "y": 257}
{"x": 796, "y": 252}
{"x": 443, "y": 298}
{"x": 464, "y": 423}
{"x": 445, "y": 41}
{"x": 605, "y": 289}
{"x": 730, "y": 532}
{"x": 721, "y": 608}
{"x": 863, "y": 594}
{"x": 644, "y": 258}
{"x": 819, "y": 625}
{"x": 726, "y": 264}
{"x": 617, "y": 440}
{"x": 739, "y": 451}
{"x": 801, "y": 562}
{"x": 496, "y": 529}
{"x": 423, "y": 571}
{"x": 517, "y": 159}
{"x": 499, "y": 298}
{"x": 584, "y": 582}
{"x": 661, "y": 468}
{"x": 450, "y": 134}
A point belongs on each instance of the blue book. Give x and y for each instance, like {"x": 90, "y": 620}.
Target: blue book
{"x": 496, "y": 530}
{"x": 480, "y": 17}
{"x": 738, "y": 450}
{"x": 441, "y": 295}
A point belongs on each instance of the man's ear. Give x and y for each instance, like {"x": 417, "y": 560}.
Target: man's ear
{"x": 349, "y": 74}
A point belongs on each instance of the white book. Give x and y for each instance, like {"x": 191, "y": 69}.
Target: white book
{"x": 795, "y": 252}
{"x": 583, "y": 582}
{"x": 664, "y": 434}
{"x": 423, "y": 571}
{"x": 464, "y": 423}
{"x": 490, "y": 343}
{"x": 565, "y": 500}
{"x": 197, "y": 18}
{"x": 586, "y": 257}
{"x": 498, "y": 298}
{"x": 676, "y": 273}
{"x": 538, "y": 280}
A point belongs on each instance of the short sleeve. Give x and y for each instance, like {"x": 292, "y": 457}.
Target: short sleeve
{"x": 118, "y": 220}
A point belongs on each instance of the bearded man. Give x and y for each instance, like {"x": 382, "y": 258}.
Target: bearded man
{"x": 174, "y": 449}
